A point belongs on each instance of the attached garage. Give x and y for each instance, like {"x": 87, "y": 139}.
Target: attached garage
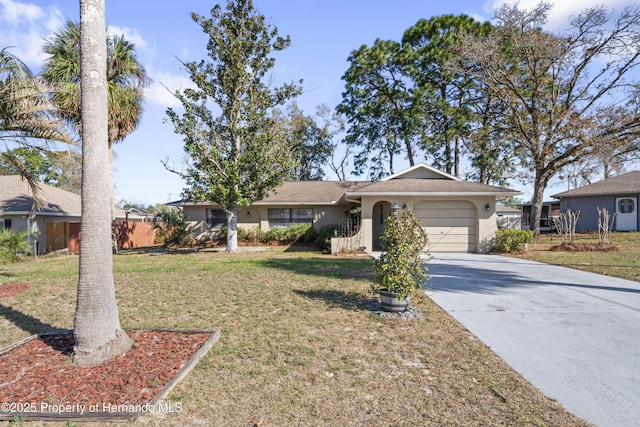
{"x": 458, "y": 216}
{"x": 450, "y": 225}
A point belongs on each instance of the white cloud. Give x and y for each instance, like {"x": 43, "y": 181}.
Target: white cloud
{"x": 16, "y": 12}
{"x": 160, "y": 92}
{"x": 132, "y": 35}
{"x": 24, "y": 28}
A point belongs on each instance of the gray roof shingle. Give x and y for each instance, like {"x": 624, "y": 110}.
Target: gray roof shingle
{"x": 16, "y": 197}
{"x": 311, "y": 192}
{"x": 431, "y": 186}
{"x": 627, "y": 183}
{"x": 417, "y": 180}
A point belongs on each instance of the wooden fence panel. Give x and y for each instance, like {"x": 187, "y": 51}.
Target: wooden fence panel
{"x": 61, "y": 235}
{"x": 74, "y": 238}
{"x": 135, "y": 234}
{"x": 57, "y": 235}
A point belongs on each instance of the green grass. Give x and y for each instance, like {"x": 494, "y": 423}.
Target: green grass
{"x": 298, "y": 344}
{"x": 623, "y": 262}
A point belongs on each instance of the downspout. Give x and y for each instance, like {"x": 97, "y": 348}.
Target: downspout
{"x": 30, "y": 218}
{"x": 30, "y": 237}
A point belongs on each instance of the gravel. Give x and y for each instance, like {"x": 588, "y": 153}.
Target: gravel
{"x": 410, "y": 313}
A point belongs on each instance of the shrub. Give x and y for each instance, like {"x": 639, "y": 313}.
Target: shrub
{"x": 310, "y": 235}
{"x": 323, "y": 237}
{"x": 171, "y": 227}
{"x": 12, "y": 244}
{"x": 251, "y": 235}
{"x": 400, "y": 267}
{"x": 295, "y": 233}
{"x": 512, "y": 240}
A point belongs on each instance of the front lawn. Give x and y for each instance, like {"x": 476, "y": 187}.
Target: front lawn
{"x": 299, "y": 345}
{"x": 623, "y": 262}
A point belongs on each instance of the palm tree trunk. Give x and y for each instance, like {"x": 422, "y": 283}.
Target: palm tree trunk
{"x": 112, "y": 202}
{"x": 97, "y": 332}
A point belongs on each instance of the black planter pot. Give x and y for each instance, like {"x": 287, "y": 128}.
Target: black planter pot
{"x": 391, "y": 302}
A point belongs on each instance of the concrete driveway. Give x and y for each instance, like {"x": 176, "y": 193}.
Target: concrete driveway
{"x": 573, "y": 335}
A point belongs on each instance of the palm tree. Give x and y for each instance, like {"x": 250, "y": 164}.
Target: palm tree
{"x": 97, "y": 331}
{"x": 126, "y": 79}
{"x": 27, "y": 116}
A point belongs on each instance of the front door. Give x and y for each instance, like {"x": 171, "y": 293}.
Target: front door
{"x": 626, "y": 213}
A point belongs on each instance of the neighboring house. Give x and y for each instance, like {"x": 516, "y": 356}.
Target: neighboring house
{"x": 139, "y": 214}
{"x": 55, "y": 224}
{"x": 459, "y": 216}
{"x": 550, "y": 210}
{"x": 508, "y": 218}
{"x": 617, "y": 195}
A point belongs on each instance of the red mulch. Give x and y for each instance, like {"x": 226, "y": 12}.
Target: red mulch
{"x": 13, "y": 288}
{"x": 40, "y": 370}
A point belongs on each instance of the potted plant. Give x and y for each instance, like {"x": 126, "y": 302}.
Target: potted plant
{"x": 400, "y": 270}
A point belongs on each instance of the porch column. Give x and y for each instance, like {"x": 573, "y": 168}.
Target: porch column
{"x": 367, "y": 223}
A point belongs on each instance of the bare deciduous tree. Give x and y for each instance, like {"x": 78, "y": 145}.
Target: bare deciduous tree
{"x": 557, "y": 90}
{"x": 605, "y": 225}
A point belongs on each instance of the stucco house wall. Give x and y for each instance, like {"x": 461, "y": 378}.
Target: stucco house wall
{"x": 373, "y": 211}
{"x": 257, "y": 216}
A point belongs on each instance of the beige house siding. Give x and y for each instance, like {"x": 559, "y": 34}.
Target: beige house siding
{"x": 257, "y": 216}
{"x": 483, "y": 229}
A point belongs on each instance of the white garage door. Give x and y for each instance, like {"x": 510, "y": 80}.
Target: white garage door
{"x": 450, "y": 225}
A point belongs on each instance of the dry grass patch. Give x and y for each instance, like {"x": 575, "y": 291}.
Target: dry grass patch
{"x": 618, "y": 259}
{"x": 299, "y": 345}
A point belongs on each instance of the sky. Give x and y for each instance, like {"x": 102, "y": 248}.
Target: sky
{"x": 323, "y": 33}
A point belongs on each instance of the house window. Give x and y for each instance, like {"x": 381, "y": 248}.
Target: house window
{"x": 287, "y": 217}
{"x": 626, "y": 206}
{"x": 301, "y": 216}
{"x": 216, "y": 218}
{"x": 5, "y": 224}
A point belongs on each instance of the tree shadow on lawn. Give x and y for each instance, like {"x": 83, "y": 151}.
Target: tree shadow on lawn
{"x": 340, "y": 299}
{"x": 7, "y": 274}
{"x": 158, "y": 250}
{"x": 28, "y": 323}
{"x": 25, "y": 322}
{"x": 338, "y": 268}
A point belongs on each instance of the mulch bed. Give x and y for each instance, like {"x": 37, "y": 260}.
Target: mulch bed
{"x": 38, "y": 375}
{"x": 584, "y": 247}
{"x": 12, "y": 288}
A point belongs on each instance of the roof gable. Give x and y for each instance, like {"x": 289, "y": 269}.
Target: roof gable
{"x": 421, "y": 171}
